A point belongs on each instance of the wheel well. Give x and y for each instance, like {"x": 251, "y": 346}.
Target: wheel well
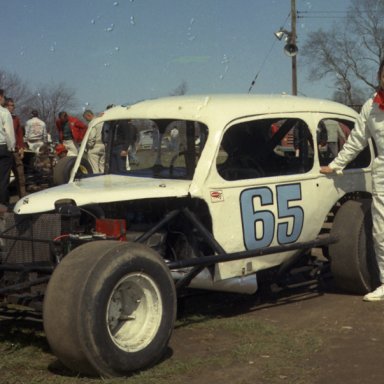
{"x": 357, "y": 195}
{"x": 329, "y": 218}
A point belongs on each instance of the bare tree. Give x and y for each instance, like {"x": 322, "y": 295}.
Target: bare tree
{"x": 181, "y": 89}
{"x": 16, "y": 88}
{"x": 51, "y": 99}
{"x": 350, "y": 52}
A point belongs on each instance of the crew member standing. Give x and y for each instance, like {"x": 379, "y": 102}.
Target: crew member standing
{"x": 35, "y": 132}
{"x": 18, "y": 155}
{"x": 71, "y": 132}
{"x": 369, "y": 125}
{"x": 95, "y": 146}
{"x": 7, "y": 146}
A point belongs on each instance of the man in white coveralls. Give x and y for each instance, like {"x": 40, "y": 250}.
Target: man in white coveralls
{"x": 370, "y": 125}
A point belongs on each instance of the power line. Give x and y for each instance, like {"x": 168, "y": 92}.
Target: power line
{"x": 261, "y": 67}
{"x": 328, "y": 14}
{"x": 346, "y": 11}
{"x": 321, "y": 17}
{"x": 266, "y": 57}
{"x": 321, "y": 14}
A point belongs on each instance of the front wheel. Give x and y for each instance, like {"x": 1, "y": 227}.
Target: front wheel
{"x": 110, "y": 308}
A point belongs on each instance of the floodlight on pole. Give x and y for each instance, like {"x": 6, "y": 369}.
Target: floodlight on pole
{"x": 290, "y": 49}
{"x": 280, "y": 33}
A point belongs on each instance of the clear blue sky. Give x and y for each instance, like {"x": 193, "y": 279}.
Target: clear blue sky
{"x": 127, "y": 50}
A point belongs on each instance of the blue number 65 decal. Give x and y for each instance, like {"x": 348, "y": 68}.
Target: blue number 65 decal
{"x": 260, "y": 225}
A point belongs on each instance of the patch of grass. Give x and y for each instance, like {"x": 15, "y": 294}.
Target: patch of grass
{"x": 174, "y": 371}
{"x": 242, "y": 343}
{"x": 271, "y": 349}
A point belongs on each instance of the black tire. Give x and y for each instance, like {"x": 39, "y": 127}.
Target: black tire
{"x": 353, "y": 261}
{"x": 94, "y": 285}
{"x": 63, "y": 168}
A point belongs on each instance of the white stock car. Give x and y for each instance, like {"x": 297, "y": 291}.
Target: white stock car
{"x": 242, "y": 195}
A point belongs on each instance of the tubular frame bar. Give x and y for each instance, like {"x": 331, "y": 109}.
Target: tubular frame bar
{"x": 224, "y": 257}
{"x": 20, "y": 286}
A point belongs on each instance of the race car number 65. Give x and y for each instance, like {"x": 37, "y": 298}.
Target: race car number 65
{"x": 286, "y": 214}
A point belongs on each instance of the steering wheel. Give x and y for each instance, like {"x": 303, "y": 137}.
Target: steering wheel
{"x": 175, "y": 157}
{"x": 251, "y": 163}
{"x": 245, "y": 167}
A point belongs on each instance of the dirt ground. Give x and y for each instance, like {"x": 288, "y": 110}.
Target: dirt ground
{"x": 311, "y": 334}
{"x": 306, "y": 334}
{"x": 348, "y": 335}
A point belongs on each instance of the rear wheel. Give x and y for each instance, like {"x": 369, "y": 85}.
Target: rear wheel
{"x": 62, "y": 170}
{"x": 353, "y": 262}
{"x": 110, "y": 308}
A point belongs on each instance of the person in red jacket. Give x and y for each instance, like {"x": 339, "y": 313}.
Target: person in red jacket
{"x": 18, "y": 155}
{"x": 71, "y": 132}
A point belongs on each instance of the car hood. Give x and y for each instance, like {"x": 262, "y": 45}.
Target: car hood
{"x": 102, "y": 189}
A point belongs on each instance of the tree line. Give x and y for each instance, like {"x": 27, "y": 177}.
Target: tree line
{"x": 349, "y": 53}
{"x": 48, "y": 100}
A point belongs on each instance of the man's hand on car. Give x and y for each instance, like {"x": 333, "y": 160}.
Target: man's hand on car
{"x": 326, "y": 170}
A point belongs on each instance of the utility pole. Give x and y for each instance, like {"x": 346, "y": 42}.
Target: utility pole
{"x": 291, "y": 48}
{"x": 293, "y": 41}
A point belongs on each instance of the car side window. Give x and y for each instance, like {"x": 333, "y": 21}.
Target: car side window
{"x": 265, "y": 148}
{"x": 331, "y": 136}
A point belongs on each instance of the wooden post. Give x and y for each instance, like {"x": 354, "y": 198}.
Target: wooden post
{"x": 293, "y": 41}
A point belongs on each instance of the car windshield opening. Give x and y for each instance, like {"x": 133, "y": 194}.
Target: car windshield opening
{"x": 161, "y": 148}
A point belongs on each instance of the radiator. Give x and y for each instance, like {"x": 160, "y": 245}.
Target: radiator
{"x": 19, "y": 251}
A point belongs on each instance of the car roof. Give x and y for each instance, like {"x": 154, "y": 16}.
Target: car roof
{"x": 224, "y": 107}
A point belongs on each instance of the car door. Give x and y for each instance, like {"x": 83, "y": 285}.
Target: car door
{"x": 266, "y": 191}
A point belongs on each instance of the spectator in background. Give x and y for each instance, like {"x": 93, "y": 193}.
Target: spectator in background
{"x": 35, "y": 132}
{"x": 7, "y": 146}
{"x": 95, "y": 146}
{"x": 156, "y": 138}
{"x": 334, "y": 134}
{"x": 18, "y": 155}
{"x": 175, "y": 139}
{"x": 346, "y": 132}
{"x": 133, "y": 139}
{"x": 122, "y": 138}
{"x": 71, "y": 132}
